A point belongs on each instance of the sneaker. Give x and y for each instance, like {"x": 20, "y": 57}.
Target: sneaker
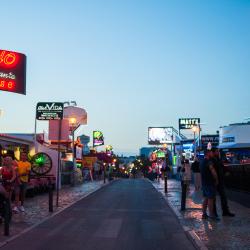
{"x": 204, "y": 216}
{"x": 228, "y": 214}
{"x": 15, "y": 210}
{"x": 22, "y": 209}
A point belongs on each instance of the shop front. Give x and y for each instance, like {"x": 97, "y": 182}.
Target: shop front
{"x": 13, "y": 146}
{"x": 235, "y": 152}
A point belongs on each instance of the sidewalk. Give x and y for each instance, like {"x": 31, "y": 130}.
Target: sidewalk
{"x": 37, "y": 208}
{"x": 228, "y": 233}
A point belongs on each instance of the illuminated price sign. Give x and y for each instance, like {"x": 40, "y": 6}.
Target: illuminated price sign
{"x": 12, "y": 72}
{"x": 188, "y": 123}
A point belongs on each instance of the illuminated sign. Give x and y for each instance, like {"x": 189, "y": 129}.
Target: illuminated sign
{"x": 98, "y": 138}
{"x": 228, "y": 139}
{"x": 212, "y": 139}
{"x": 188, "y": 123}
{"x": 49, "y": 111}
{"x": 12, "y": 72}
{"x": 160, "y": 135}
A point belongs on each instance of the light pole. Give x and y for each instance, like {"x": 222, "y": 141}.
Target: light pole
{"x": 194, "y": 128}
{"x": 73, "y": 127}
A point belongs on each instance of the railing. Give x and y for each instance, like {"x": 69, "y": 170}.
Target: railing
{"x": 238, "y": 176}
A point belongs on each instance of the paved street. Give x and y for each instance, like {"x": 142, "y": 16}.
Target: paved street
{"x": 127, "y": 214}
{"x": 36, "y": 208}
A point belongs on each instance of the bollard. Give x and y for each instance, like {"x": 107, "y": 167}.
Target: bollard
{"x": 50, "y": 197}
{"x": 183, "y": 195}
{"x": 104, "y": 175}
{"x": 166, "y": 182}
{"x": 7, "y": 217}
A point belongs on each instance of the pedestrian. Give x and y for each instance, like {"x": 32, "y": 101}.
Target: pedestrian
{"x": 219, "y": 168}
{"x": 23, "y": 170}
{"x": 186, "y": 177}
{"x": 8, "y": 174}
{"x": 209, "y": 180}
{"x": 96, "y": 170}
{"x": 195, "y": 167}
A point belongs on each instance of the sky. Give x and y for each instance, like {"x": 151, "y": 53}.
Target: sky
{"x": 130, "y": 64}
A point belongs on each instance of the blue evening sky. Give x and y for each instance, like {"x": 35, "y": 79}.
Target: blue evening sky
{"x": 131, "y": 64}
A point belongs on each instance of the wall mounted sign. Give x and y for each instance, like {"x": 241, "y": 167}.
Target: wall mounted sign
{"x": 49, "y": 111}
{"x": 12, "y": 72}
{"x": 188, "y": 123}
{"x": 212, "y": 139}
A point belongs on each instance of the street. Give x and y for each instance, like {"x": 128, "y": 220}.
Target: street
{"x": 127, "y": 214}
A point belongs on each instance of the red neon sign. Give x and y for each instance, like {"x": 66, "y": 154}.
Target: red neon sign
{"x": 12, "y": 72}
{"x": 8, "y": 59}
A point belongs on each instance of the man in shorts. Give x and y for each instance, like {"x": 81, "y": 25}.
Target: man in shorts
{"x": 23, "y": 170}
{"x": 209, "y": 182}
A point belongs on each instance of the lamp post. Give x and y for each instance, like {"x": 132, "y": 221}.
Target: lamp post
{"x": 73, "y": 127}
{"x": 195, "y": 128}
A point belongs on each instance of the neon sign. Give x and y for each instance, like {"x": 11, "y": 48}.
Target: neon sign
{"x": 12, "y": 72}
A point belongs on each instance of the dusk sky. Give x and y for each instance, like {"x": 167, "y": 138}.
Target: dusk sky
{"x": 131, "y": 64}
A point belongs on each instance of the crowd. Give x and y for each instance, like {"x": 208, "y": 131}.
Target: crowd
{"x": 14, "y": 179}
{"x": 209, "y": 178}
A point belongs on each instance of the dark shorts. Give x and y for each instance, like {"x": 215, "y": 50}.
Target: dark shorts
{"x": 209, "y": 191}
{"x": 23, "y": 186}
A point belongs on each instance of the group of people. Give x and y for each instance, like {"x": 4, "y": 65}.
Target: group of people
{"x": 209, "y": 177}
{"x": 14, "y": 179}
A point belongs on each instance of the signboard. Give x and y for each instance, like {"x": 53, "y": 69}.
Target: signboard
{"x": 213, "y": 140}
{"x": 49, "y": 111}
{"x": 160, "y": 135}
{"x": 188, "y": 123}
{"x": 98, "y": 138}
{"x": 12, "y": 72}
{"x": 78, "y": 153}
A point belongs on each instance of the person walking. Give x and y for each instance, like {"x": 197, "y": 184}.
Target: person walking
{"x": 187, "y": 173}
{"x": 209, "y": 180}
{"x": 195, "y": 167}
{"x": 219, "y": 168}
{"x": 23, "y": 170}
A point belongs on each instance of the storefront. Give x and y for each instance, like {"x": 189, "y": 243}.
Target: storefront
{"x": 13, "y": 146}
{"x": 235, "y": 152}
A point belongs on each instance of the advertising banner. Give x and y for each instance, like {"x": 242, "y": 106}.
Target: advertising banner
{"x": 12, "y": 72}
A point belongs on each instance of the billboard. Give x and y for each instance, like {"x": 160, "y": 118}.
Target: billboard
{"x": 12, "y": 72}
{"x": 160, "y": 135}
{"x": 188, "y": 123}
{"x": 49, "y": 111}
{"x": 98, "y": 138}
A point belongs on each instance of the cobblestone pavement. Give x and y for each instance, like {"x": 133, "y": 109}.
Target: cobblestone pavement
{"x": 36, "y": 208}
{"x": 228, "y": 233}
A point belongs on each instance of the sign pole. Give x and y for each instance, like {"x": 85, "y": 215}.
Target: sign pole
{"x": 58, "y": 161}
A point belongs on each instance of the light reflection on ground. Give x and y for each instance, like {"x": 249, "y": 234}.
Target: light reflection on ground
{"x": 228, "y": 233}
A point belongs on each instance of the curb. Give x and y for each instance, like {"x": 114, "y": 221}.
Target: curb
{"x": 192, "y": 236}
{"x": 2, "y": 244}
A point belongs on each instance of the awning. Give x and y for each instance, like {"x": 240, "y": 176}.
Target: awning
{"x": 6, "y": 139}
